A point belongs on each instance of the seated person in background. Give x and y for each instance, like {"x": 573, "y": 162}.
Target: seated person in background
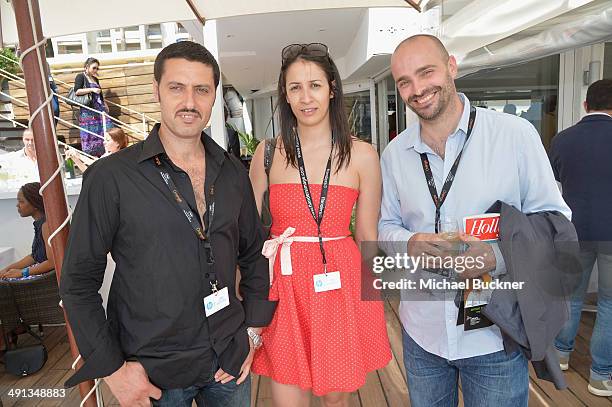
{"x": 114, "y": 140}
{"x": 30, "y": 203}
{"x": 22, "y": 163}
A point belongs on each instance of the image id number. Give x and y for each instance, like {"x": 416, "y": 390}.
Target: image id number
{"x": 38, "y": 393}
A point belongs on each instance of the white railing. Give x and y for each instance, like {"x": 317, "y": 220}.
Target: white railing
{"x": 66, "y": 146}
{"x": 145, "y": 118}
{"x": 122, "y": 125}
{"x": 66, "y": 123}
{"x": 147, "y": 121}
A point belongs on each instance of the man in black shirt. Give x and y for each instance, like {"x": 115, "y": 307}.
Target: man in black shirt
{"x": 177, "y": 214}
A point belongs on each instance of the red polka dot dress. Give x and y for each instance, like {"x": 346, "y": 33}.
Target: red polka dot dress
{"x": 327, "y": 341}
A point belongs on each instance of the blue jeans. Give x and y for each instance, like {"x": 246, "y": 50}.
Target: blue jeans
{"x": 212, "y": 394}
{"x": 601, "y": 340}
{"x": 495, "y": 379}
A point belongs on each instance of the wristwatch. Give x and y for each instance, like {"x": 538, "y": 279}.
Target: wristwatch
{"x": 255, "y": 337}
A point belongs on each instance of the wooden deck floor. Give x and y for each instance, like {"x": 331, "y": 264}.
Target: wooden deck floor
{"x": 383, "y": 388}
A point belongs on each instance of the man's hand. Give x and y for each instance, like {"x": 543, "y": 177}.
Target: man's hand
{"x": 71, "y": 152}
{"x": 427, "y": 244}
{"x": 131, "y": 387}
{"x": 477, "y": 250}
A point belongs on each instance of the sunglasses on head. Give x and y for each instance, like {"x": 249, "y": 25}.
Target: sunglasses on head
{"x": 315, "y": 49}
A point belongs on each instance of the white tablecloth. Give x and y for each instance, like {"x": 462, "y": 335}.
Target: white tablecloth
{"x": 7, "y": 256}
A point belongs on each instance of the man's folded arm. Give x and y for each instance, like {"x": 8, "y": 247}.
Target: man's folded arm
{"x": 94, "y": 223}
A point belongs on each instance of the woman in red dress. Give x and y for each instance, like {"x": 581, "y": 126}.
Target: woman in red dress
{"x": 324, "y": 339}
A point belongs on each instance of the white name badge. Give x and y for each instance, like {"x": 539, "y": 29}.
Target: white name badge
{"x": 216, "y": 301}
{"x": 327, "y": 282}
{"x": 478, "y": 297}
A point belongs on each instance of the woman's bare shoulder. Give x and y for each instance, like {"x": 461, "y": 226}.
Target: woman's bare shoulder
{"x": 363, "y": 151}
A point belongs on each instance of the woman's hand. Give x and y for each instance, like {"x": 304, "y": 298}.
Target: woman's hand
{"x": 12, "y": 273}
{"x": 95, "y": 90}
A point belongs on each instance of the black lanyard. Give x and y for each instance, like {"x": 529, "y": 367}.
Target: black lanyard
{"x": 208, "y": 218}
{"x": 324, "y": 188}
{"x": 439, "y": 200}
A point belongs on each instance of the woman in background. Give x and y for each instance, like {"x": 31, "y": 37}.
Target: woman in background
{"x": 30, "y": 203}
{"x": 84, "y": 83}
{"x": 114, "y": 140}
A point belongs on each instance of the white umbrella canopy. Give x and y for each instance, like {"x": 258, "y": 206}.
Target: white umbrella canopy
{"x": 63, "y": 17}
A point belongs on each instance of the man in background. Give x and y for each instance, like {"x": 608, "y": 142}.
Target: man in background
{"x": 581, "y": 160}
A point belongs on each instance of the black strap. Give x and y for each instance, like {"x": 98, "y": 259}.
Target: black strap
{"x": 191, "y": 218}
{"x": 318, "y": 218}
{"x": 431, "y": 184}
{"x": 269, "y": 146}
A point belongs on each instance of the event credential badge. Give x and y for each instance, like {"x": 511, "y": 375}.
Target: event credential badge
{"x": 216, "y": 301}
{"x": 327, "y": 281}
{"x": 486, "y": 228}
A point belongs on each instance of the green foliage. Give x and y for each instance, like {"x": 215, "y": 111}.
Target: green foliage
{"x": 11, "y": 67}
{"x": 249, "y": 141}
{"x": 353, "y": 220}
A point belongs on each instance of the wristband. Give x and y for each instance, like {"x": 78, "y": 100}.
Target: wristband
{"x": 25, "y": 272}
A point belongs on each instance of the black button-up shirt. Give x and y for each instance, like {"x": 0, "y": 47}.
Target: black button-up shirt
{"x": 155, "y": 311}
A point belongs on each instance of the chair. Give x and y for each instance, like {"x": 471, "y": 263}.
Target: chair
{"x": 32, "y": 301}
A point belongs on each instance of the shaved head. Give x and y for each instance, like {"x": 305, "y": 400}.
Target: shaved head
{"x": 427, "y": 38}
{"x": 424, "y": 74}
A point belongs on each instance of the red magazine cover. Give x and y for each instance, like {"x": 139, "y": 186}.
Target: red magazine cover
{"x": 484, "y": 226}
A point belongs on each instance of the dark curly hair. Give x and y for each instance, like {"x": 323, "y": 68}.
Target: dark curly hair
{"x": 31, "y": 194}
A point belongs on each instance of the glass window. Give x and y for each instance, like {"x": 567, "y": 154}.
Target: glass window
{"x": 392, "y": 112}
{"x": 70, "y": 49}
{"x": 155, "y": 44}
{"x": 105, "y": 48}
{"x": 154, "y": 29}
{"x": 396, "y": 109}
{"x": 528, "y": 90}
{"x": 391, "y": 118}
{"x": 607, "y": 70}
{"x": 132, "y": 46}
{"x": 358, "y": 111}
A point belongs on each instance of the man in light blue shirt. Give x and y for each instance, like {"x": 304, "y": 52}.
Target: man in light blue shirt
{"x": 503, "y": 159}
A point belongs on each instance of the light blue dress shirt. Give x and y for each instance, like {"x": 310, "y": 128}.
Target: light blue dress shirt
{"x": 504, "y": 159}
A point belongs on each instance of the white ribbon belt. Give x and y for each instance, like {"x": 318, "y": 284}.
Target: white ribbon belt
{"x": 271, "y": 246}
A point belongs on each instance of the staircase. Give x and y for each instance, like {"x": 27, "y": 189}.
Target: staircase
{"x": 10, "y": 135}
{"x": 127, "y": 90}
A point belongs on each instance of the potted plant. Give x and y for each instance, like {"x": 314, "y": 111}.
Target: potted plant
{"x": 249, "y": 141}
